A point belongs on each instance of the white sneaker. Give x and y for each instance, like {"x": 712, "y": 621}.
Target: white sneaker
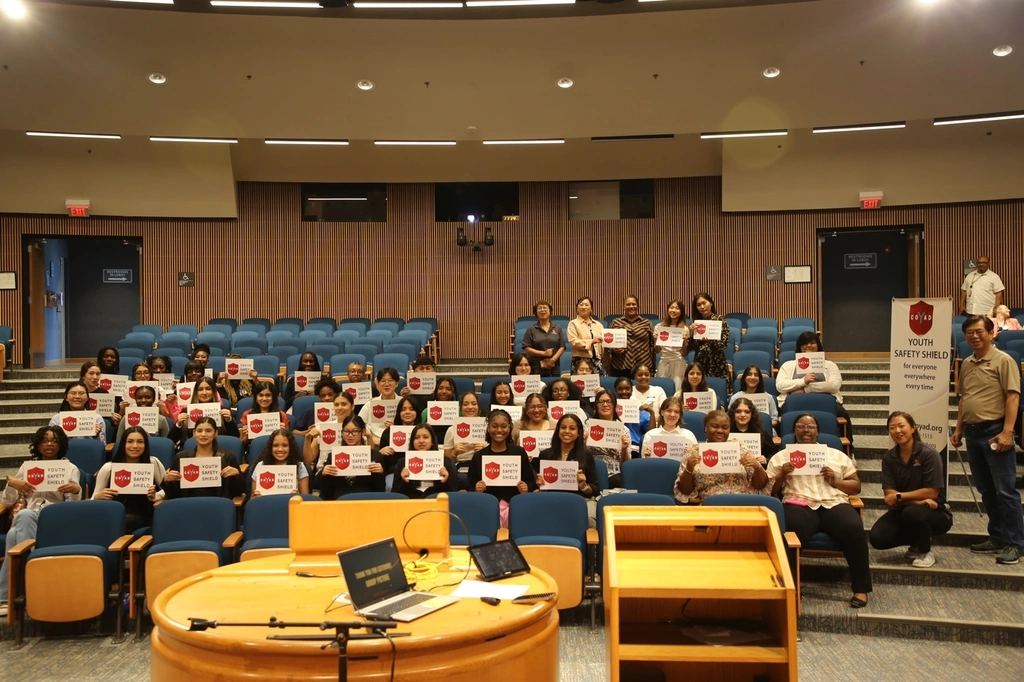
{"x": 926, "y": 560}
{"x": 911, "y": 554}
{"x": 3, "y": 609}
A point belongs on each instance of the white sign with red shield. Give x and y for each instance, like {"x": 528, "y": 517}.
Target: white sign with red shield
{"x": 113, "y": 383}
{"x": 146, "y": 417}
{"x": 669, "y": 337}
{"x": 262, "y": 423}
{"x": 470, "y": 430}
{"x": 200, "y": 472}
{"x": 708, "y": 330}
{"x": 131, "y": 386}
{"x": 558, "y": 408}
{"x": 425, "y": 465}
{"x": 760, "y": 400}
{"x": 323, "y": 412}
{"x": 720, "y": 458}
{"x": 668, "y": 446}
{"x": 352, "y": 460}
{"x": 751, "y": 441}
{"x": 587, "y": 383}
{"x": 277, "y": 479}
{"x": 514, "y": 411}
{"x": 131, "y": 479}
{"x": 807, "y": 460}
{"x": 102, "y": 402}
{"x": 46, "y": 475}
{"x": 614, "y": 338}
{"x": 184, "y": 390}
{"x": 361, "y": 391}
{"x": 442, "y": 412}
{"x": 306, "y": 381}
{"x": 401, "y": 438}
{"x": 700, "y": 401}
{"x": 78, "y": 424}
{"x": 810, "y": 363}
{"x": 197, "y": 411}
{"x": 523, "y": 385}
{"x": 605, "y": 434}
{"x": 421, "y": 383}
{"x": 628, "y": 411}
{"x": 558, "y": 475}
{"x": 500, "y": 470}
{"x": 165, "y": 379}
{"x": 534, "y": 442}
{"x": 238, "y": 368}
{"x": 330, "y": 434}
{"x": 384, "y": 410}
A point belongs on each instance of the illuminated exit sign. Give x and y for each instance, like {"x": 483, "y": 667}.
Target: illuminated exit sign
{"x": 77, "y": 208}
{"x": 870, "y": 200}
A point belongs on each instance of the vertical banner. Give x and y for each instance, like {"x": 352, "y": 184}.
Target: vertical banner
{"x": 919, "y": 367}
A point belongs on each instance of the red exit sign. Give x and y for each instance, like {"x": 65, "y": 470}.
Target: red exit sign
{"x": 78, "y": 211}
{"x": 871, "y": 203}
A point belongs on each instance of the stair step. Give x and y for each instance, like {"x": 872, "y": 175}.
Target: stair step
{"x": 870, "y": 471}
{"x": 36, "y": 394}
{"x": 957, "y": 496}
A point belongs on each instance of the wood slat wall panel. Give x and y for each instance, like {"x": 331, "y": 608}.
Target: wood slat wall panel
{"x": 269, "y": 263}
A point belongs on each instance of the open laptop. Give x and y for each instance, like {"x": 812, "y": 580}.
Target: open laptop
{"x": 378, "y": 588}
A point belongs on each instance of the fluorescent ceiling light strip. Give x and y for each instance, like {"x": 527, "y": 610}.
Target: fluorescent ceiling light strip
{"x": 414, "y": 143}
{"x": 894, "y": 125}
{"x": 324, "y": 143}
{"x": 408, "y": 5}
{"x": 618, "y": 138}
{"x": 752, "y": 133}
{"x": 337, "y": 199}
{"x": 551, "y": 141}
{"x": 148, "y": 2}
{"x": 980, "y": 118}
{"x": 86, "y": 136}
{"x": 209, "y": 140}
{"x": 516, "y": 3}
{"x": 268, "y": 4}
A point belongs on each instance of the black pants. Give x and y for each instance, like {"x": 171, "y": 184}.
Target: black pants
{"x": 628, "y": 373}
{"x": 913, "y": 525}
{"x": 843, "y": 524}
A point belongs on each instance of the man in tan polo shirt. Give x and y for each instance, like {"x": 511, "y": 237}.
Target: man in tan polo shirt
{"x": 989, "y": 390}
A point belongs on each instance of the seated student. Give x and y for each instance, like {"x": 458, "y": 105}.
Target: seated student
{"x": 499, "y": 429}
{"x": 193, "y": 372}
{"x": 233, "y": 390}
{"x": 205, "y": 392}
{"x": 624, "y": 391}
{"x": 326, "y": 389}
{"x": 669, "y": 421}
{"x": 694, "y": 381}
{"x": 423, "y": 363}
{"x": 132, "y": 448}
{"x": 308, "y": 362}
{"x": 406, "y": 414}
{"x": 280, "y": 450}
{"x": 89, "y": 375}
{"x": 519, "y": 365}
{"x": 232, "y": 482}
{"x": 343, "y": 409}
{"x": 21, "y": 497}
{"x": 605, "y": 408}
{"x": 822, "y": 502}
{"x": 332, "y": 486}
{"x": 585, "y": 367}
{"x": 142, "y": 372}
{"x": 161, "y": 364}
{"x": 808, "y": 342}
{"x": 535, "y": 417}
{"x": 1003, "y": 321}
{"x": 752, "y": 382}
{"x": 145, "y": 397}
{"x": 692, "y": 484}
{"x": 744, "y": 418}
{"x": 109, "y": 360}
{"x": 501, "y": 395}
{"x": 644, "y": 392}
{"x": 201, "y": 354}
{"x": 264, "y": 401}
{"x": 469, "y": 406}
{"x": 445, "y": 390}
{"x": 423, "y": 441}
{"x": 561, "y": 390}
{"x": 76, "y": 398}
{"x": 355, "y": 373}
{"x": 387, "y": 383}
{"x": 914, "y": 488}
{"x": 570, "y": 445}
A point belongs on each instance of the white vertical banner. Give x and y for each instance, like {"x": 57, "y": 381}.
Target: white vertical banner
{"x": 919, "y": 366}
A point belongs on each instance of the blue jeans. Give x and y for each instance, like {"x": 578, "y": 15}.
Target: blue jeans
{"x": 22, "y": 528}
{"x": 995, "y": 476}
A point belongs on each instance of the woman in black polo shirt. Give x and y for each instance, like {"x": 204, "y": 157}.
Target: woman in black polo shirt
{"x": 544, "y": 342}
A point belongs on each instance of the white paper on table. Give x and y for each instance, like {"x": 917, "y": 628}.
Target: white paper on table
{"x": 514, "y": 411}
{"x": 424, "y": 465}
{"x": 602, "y": 433}
{"x": 669, "y": 337}
{"x": 751, "y": 441}
{"x": 761, "y": 402}
{"x": 277, "y": 479}
{"x": 474, "y": 589}
{"x": 184, "y": 391}
{"x": 385, "y": 410}
{"x": 323, "y": 412}
{"x": 807, "y": 460}
{"x": 146, "y": 417}
{"x": 165, "y": 379}
{"x": 131, "y": 386}
{"x": 708, "y": 330}
{"x": 534, "y": 442}
{"x": 720, "y": 458}
{"x": 559, "y": 475}
{"x": 810, "y": 363}
{"x": 197, "y": 411}
{"x": 500, "y": 470}
{"x": 587, "y": 383}
{"x": 524, "y": 384}
{"x": 614, "y": 338}
{"x": 442, "y": 412}
{"x": 421, "y": 383}
{"x": 239, "y": 368}
{"x": 361, "y": 391}
{"x": 330, "y": 434}
{"x": 131, "y": 479}
{"x": 200, "y": 472}
{"x": 46, "y": 475}
{"x": 668, "y": 446}
{"x": 700, "y": 401}
{"x": 470, "y": 430}
{"x": 102, "y": 402}
{"x": 558, "y": 408}
{"x": 262, "y": 423}
{"x": 306, "y": 380}
{"x": 78, "y": 424}
{"x": 113, "y": 383}
{"x": 401, "y": 438}
{"x": 628, "y": 411}
{"x": 351, "y": 460}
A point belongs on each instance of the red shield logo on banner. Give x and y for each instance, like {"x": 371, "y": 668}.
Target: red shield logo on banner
{"x": 663, "y": 336}
{"x": 267, "y": 479}
{"x": 256, "y": 425}
{"x": 342, "y": 460}
{"x": 414, "y": 383}
{"x": 323, "y": 414}
{"x": 352, "y": 392}
{"x": 580, "y": 384}
{"x": 35, "y": 476}
{"x": 660, "y": 448}
{"x": 415, "y": 464}
{"x": 122, "y": 478}
{"x": 185, "y": 393}
{"x": 596, "y": 432}
{"x": 105, "y": 384}
{"x": 618, "y": 410}
{"x": 378, "y": 411}
{"x": 328, "y": 436}
{"x": 608, "y": 337}
{"x": 529, "y": 443}
{"x": 798, "y": 459}
{"x": 709, "y": 457}
{"x": 398, "y": 438}
{"x": 436, "y": 412}
{"x": 550, "y": 475}
{"x": 803, "y": 363}
{"x": 691, "y": 403}
{"x": 195, "y": 415}
{"x": 921, "y": 314}
{"x": 702, "y": 328}
{"x": 462, "y": 430}
{"x": 92, "y": 403}
{"x": 492, "y": 470}
{"x": 232, "y": 368}
{"x": 191, "y": 473}
{"x": 519, "y": 385}
{"x": 557, "y": 412}
{"x": 134, "y": 418}
{"x": 69, "y": 423}
{"x": 301, "y": 381}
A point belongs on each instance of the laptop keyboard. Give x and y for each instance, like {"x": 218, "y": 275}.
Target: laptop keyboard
{"x": 402, "y": 604}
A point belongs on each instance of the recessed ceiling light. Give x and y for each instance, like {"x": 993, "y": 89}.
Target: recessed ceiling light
{"x": 323, "y": 143}
{"x": 365, "y": 84}
{"x": 894, "y": 125}
{"x": 565, "y": 82}
{"x": 1003, "y": 50}
{"x": 771, "y": 72}
{"x": 15, "y": 9}
{"x": 549, "y": 141}
{"x": 414, "y": 143}
{"x": 207, "y": 140}
{"x": 87, "y": 136}
{"x": 750, "y": 133}
{"x": 157, "y": 78}
{"x": 978, "y": 118}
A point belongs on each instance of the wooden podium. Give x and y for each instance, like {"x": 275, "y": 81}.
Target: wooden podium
{"x": 671, "y": 572}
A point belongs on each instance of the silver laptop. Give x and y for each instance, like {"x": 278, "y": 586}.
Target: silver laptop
{"x": 378, "y": 588}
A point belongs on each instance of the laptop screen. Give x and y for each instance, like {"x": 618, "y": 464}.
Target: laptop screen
{"x": 373, "y": 572}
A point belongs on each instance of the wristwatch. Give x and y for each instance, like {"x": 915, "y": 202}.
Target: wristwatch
{"x": 899, "y": 497}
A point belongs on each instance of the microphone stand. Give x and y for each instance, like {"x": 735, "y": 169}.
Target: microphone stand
{"x": 339, "y": 639}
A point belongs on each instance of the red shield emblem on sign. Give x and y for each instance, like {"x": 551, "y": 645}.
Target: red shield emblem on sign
{"x": 608, "y": 337}
{"x": 414, "y": 383}
{"x": 492, "y": 470}
{"x": 921, "y": 318}
{"x": 105, "y": 384}
{"x": 691, "y": 403}
{"x": 416, "y": 464}
{"x": 398, "y": 438}
{"x": 557, "y": 412}
{"x": 529, "y": 443}
{"x": 323, "y": 414}
{"x": 301, "y": 381}
{"x": 550, "y": 475}
{"x": 436, "y": 412}
{"x": 232, "y": 368}
{"x": 191, "y": 473}
{"x": 92, "y": 403}
{"x": 709, "y": 457}
{"x": 519, "y": 385}
{"x": 663, "y": 336}
{"x": 618, "y": 410}
{"x": 798, "y": 459}
{"x": 195, "y": 415}
{"x": 69, "y": 423}
{"x": 122, "y": 478}
{"x": 579, "y": 384}
{"x": 256, "y": 425}
{"x": 378, "y": 411}
{"x": 134, "y": 418}
{"x": 462, "y": 430}
{"x": 803, "y": 363}
{"x": 35, "y": 476}
{"x": 185, "y": 393}
{"x": 328, "y": 436}
{"x": 131, "y": 392}
{"x": 342, "y": 460}
{"x": 267, "y": 479}
{"x": 596, "y": 432}
{"x": 352, "y": 392}
{"x": 660, "y": 448}
{"x": 702, "y": 328}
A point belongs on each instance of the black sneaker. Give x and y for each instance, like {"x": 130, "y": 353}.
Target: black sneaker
{"x": 1009, "y": 555}
{"x": 990, "y": 546}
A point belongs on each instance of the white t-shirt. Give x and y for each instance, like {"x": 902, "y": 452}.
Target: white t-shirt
{"x": 657, "y": 431}
{"x": 981, "y": 291}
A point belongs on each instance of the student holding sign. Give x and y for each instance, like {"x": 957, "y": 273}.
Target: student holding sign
{"x": 326, "y": 389}
{"x": 233, "y": 390}
{"x": 109, "y": 360}
{"x": 670, "y": 339}
{"x": 744, "y": 418}
{"x": 751, "y": 384}
{"x": 501, "y": 395}
{"x": 201, "y": 354}
{"x": 145, "y": 397}
{"x": 203, "y": 393}
{"x": 639, "y": 348}
{"x": 343, "y": 407}
{"x": 506, "y": 471}
{"x": 644, "y": 392}
{"x": 176, "y": 402}
{"x": 818, "y": 499}
{"x": 707, "y": 470}
{"x": 445, "y": 390}
{"x": 371, "y": 414}
{"x": 75, "y": 417}
{"x": 669, "y": 422}
{"x": 535, "y": 417}
{"x": 46, "y": 478}
{"x": 90, "y": 374}
{"x": 586, "y": 335}
{"x": 460, "y": 447}
{"x": 187, "y": 477}
{"x": 132, "y": 478}
{"x": 708, "y": 352}
{"x": 647, "y": 414}
{"x": 264, "y": 402}
{"x": 282, "y": 451}
{"x": 605, "y": 409}
{"x": 793, "y": 378}
{"x": 570, "y": 445}
{"x": 407, "y": 414}
{"x": 416, "y": 477}
{"x": 308, "y": 362}
{"x": 695, "y": 381}
{"x": 333, "y": 484}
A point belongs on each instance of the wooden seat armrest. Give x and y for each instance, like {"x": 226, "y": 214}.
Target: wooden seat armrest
{"x": 121, "y": 544}
{"x": 845, "y": 441}
{"x": 232, "y": 541}
{"x": 592, "y": 538}
{"x": 842, "y": 420}
{"x": 239, "y": 501}
{"x": 502, "y": 534}
{"x": 141, "y": 544}
{"x": 856, "y": 502}
{"x": 792, "y": 541}
{"x": 22, "y": 548}
{"x": 776, "y": 440}
{"x": 243, "y": 467}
